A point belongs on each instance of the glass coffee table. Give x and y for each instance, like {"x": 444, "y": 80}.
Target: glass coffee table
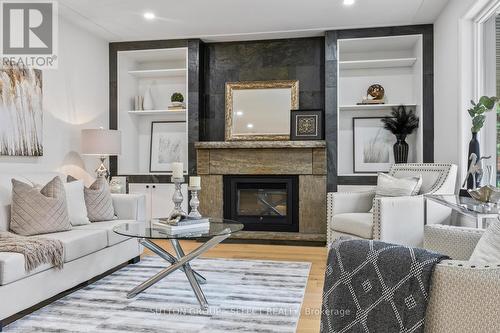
{"x": 220, "y": 229}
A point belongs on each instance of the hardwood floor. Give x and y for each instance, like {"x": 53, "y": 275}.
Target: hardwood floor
{"x": 311, "y": 308}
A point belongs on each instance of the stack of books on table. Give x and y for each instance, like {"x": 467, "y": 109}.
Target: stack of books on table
{"x": 185, "y": 226}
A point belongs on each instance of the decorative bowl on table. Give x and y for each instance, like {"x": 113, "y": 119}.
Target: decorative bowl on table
{"x": 486, "y": 194}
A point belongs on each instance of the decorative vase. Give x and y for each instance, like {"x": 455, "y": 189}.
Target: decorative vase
{"x": 147, "y": 103}
{"x": 401, "y": 149}
{"x": 473, "y": 148}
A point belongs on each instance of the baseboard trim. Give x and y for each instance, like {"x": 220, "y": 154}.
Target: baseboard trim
{"x": 25, "y": 312}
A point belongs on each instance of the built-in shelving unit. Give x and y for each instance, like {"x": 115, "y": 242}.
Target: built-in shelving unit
{"x": 373, "y": 107}
{"x": 377, "y": 63}
{"x": 162, "y": 72}
{"x": 394, "y": 62}
{"x": 175, "y": 113}
{"x": 159, "y": 73}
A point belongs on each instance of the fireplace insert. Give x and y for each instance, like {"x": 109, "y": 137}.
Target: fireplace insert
{"x": 262, "y": 203}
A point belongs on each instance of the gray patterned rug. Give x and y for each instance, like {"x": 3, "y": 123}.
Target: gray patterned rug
{"x": 244, "y": 296}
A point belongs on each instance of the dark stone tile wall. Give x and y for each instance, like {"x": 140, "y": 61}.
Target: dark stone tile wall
{"x": 300, "y": 59}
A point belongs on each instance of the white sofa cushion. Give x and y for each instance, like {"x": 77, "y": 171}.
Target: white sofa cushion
{"x": 76, "y": 203}
{"x": 12, "y": 267}
{"x": 487, "y": 250}
{"x": 112, "y": 237}
{"x": 79, "y": 243}
{"x": 357, "y": 224}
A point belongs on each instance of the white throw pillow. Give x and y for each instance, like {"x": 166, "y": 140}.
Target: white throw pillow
{"x": 487, "y": 250}
{"x": 389, "y": 186}
{"x": 76, "y": 203}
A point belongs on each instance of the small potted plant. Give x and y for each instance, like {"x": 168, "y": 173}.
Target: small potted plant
{"x": 401, "y": 123}
{"x": 177, "y": 100}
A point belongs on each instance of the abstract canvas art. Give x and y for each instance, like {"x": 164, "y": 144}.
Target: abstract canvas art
{"x": 372, "y": 145}
{"x": 168, "y": 145}
{"x": 21, "y": 116}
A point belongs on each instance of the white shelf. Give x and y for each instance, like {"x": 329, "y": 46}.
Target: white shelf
{"x": 155, "y": 73}
{"x": 377, "y": 63}
{"x": 181, "y": 114}
{"x": 371, "y": 107}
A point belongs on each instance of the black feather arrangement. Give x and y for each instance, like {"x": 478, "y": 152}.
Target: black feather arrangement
{"x": 401, "y": 122}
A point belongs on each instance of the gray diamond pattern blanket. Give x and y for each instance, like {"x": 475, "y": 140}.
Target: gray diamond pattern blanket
{"x": 374, "y": 287}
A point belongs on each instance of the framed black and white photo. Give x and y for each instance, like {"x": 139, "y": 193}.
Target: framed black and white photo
{"x": 168, "y": 145}
{"x": 306, "y": 125}
{"x": 372, "y": 145}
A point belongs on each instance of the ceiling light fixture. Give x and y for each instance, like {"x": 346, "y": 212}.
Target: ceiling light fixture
{"x": 249, "y": 125}
{"x": 149, "y": 15}
{"x": 348, "y": 2}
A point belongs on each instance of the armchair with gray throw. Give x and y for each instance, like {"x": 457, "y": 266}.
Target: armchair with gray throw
{"x": 397, "y": 220}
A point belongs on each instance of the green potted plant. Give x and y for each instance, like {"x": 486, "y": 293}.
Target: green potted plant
{"x": 401, "y": 123}
{"x": 478, "y": 115}
{"x": 177, "y": 100}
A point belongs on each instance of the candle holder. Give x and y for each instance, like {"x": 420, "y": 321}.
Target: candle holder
{"x": 194, "y": 202}
{"x": 177, "y": 198}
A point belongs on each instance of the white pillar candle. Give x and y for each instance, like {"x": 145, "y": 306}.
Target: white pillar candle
{"x": 195, "y": 181}
{"x": 177, "y": 170}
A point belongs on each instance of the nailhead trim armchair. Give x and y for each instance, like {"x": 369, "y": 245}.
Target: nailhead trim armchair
{"x": 394, "y": 219}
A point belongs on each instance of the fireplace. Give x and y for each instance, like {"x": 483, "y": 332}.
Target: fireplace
{"x": 262, "y": 203}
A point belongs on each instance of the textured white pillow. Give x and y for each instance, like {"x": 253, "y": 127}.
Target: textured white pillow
{"x": 389, "y": 186}
{"x": 487, "y": 250}
{"x": 76, "y": 203}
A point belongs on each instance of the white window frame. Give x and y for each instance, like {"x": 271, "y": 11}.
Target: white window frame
{"x": 473, "y": 79}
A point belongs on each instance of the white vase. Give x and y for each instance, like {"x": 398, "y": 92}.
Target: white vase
{"x": 147, "y": 103}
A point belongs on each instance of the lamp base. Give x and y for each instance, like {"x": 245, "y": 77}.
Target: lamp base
{"x": 102, "y": 171}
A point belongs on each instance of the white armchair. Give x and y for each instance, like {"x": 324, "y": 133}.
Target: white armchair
{"x": 464, "y": 297}
{"x": 397, "y": 220}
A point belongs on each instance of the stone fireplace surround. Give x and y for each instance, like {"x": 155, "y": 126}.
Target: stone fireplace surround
{"x": 306, "y": 159}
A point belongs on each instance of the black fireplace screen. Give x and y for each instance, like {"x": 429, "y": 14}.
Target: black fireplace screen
{"x": 262, "y": 203}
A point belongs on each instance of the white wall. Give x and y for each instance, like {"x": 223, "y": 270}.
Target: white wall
{"x": 448, "y": 110}
{"x": 75, "y": 96}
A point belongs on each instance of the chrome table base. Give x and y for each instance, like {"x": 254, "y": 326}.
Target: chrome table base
{"x": 180, "y": 262}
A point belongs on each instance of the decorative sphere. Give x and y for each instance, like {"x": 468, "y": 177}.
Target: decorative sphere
{"x": 376, "y": 91}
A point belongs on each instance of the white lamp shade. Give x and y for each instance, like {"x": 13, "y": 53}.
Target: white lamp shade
{"x": 102, "y": 142}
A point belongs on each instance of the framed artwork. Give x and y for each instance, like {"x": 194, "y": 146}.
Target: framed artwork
{"x": 21, "y": 114}
{"x": 168, "y": 145}
{"x": 372, "y": 145}
{"x": 306, "y": 125}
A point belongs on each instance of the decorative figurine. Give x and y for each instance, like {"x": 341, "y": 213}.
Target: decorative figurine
{"x": 475, "y": 169}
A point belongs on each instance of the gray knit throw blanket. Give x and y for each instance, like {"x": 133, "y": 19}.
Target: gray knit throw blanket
{"x": 375, "y": 287}
{"x": 36, "y": 250}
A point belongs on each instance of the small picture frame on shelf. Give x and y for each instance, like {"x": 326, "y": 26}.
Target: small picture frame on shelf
{"x": 372, "y": 145}
{"x": 168, "y": 145}
{"x": 306, "y": 124}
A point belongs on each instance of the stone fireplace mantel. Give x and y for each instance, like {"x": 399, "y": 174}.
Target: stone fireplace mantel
{"x": 259, "y": 144}
{"x": 306, "y": 159}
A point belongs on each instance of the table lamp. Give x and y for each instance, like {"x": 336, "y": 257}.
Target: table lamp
{"x": 101, "y": 142}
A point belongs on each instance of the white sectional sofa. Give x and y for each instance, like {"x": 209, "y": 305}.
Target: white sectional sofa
{"x": 89, "y": 251}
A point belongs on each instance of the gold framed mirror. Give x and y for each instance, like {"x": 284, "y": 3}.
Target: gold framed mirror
{"x": 260, "y": 110}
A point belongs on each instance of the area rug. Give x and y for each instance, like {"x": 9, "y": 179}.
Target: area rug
{"x": 244, "y": 296}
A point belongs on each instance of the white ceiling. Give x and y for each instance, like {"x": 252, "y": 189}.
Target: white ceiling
{"x": 223, "y": 20}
